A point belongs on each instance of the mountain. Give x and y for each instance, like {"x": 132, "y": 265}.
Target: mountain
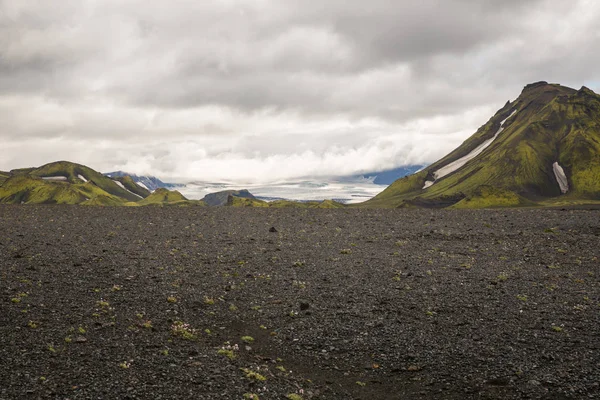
{"x": 222, "y": 198}
{"x": 127, "y": 183}
{"x": 4, "y": 176}
{"x": 389, "y": 176}
{"x": 150, "y": 183}
{"x": 162, "y": 196}
{"x": 541, "y": 149}
{"x": 65, "y": 182}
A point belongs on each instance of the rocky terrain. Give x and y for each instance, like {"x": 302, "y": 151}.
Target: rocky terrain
{"x": 234, "y": 303}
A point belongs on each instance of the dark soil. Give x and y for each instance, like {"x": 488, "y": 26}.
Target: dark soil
{"x": 341, "y": 304}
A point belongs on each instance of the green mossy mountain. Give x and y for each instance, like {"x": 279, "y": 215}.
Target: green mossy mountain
{"x": 131, "y": 186}
{"x": 165, "y": 197}
{"x": 4, "y": 176}
{"x": 77, "y": 174}
{"x": 64, "y": 182}
{"x": 546, "y": 124}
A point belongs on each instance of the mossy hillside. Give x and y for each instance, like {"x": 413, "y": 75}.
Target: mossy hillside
{"x": 164, "y": 196}
{"x": 27, "y": 189}
{"x": 234, "y": 201}
{"x": 72, "y": 171}
{"x": 133, "y": 187}
{"x": 287, "y": 204}
{"x": 328, "y": 204}
{"x": 552, "y": 123}
{"x": 4, "y": 176}
{"x": 491, "y": 197}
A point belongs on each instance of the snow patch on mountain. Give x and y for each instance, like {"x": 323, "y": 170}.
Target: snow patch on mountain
{"x": 561, "y": 178}
{"x": 455, "y": 165}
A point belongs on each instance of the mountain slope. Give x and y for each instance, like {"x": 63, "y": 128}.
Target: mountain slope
{"x": 534, "y": 147}
{"x": 64, "y": 182}
{"x": 77, "y": 174}
{"x": 222, "y": 198}
{"x": 28, "y": 189}
{"x": 162, "y": 196}
{"x": 4, "y": 176}
{"x": 150, "y": 183}
{"x": 130, "y": 185}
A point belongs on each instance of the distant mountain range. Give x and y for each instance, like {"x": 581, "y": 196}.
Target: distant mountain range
{"x": 543, "y": 149}
{"x": 150, "y": 183}
{"x": 389, "y": 176}
{"x": 65, "y": 182}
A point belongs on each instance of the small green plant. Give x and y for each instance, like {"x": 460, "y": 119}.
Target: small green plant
{"x": 359, "y": 383}
{"x": 183, "y": 330}
{"x": 293, "y": 396}
{"x": 172, "y": 299}
{"x": 251, "y": 396}
{"x": 16, "y": 299}
{"x": 51, "y": 348}
{"x": 298, "y": 263}
{"x": 227, "y": 353}
{"x": 209, "y": 301}
{"x": 502, "y": 277}
{"x": 522, "y": 297}
{"x": 32, "y": 324}
{"x": 345, "y": 251}
{"x": 281, "y": 368}
{"x": 102, "y": 303}
{"x": 81, "y": 330}
{"x": 125, "y": 365}
{"x": 233, "y": 307}
{"x": 68, "y": 339}
{"x": 299, "y": 284}
{"x": 116, "y": 288}
{"x": 147, "y": 324}
{"x": 164, "y": 352}
{"x": 557, "y": 328}
{"x": 253, "y": 375}
{"x": 247, "y": 339}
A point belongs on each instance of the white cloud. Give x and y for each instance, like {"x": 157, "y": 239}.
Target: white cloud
{"x": 265, "y": 90}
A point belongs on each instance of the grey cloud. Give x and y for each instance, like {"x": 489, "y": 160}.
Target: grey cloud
{"x": 327, "y": 73}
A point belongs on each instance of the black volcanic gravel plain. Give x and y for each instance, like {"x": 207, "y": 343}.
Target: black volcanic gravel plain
{"x": 227, "y": 303}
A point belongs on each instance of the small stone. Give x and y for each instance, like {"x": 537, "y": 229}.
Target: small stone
{"x": 272, "y": 229}
{"x": 304, "y": 306}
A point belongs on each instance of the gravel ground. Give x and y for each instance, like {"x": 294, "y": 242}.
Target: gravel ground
{"x": 205, "y": 303}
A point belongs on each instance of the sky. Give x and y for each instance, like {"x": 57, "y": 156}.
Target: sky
{"x": 273, "y": 90}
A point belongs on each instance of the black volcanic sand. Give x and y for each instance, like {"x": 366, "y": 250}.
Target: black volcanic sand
{"x": 341, "y": 304}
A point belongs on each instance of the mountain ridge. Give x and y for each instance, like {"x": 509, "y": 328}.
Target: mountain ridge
{"x": 546, "y": 124}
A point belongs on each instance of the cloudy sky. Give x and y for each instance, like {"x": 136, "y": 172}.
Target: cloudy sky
{"x": 265, "y": 90}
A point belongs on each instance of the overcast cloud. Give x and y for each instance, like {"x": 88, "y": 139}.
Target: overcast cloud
{"x": 266, "y": 90}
